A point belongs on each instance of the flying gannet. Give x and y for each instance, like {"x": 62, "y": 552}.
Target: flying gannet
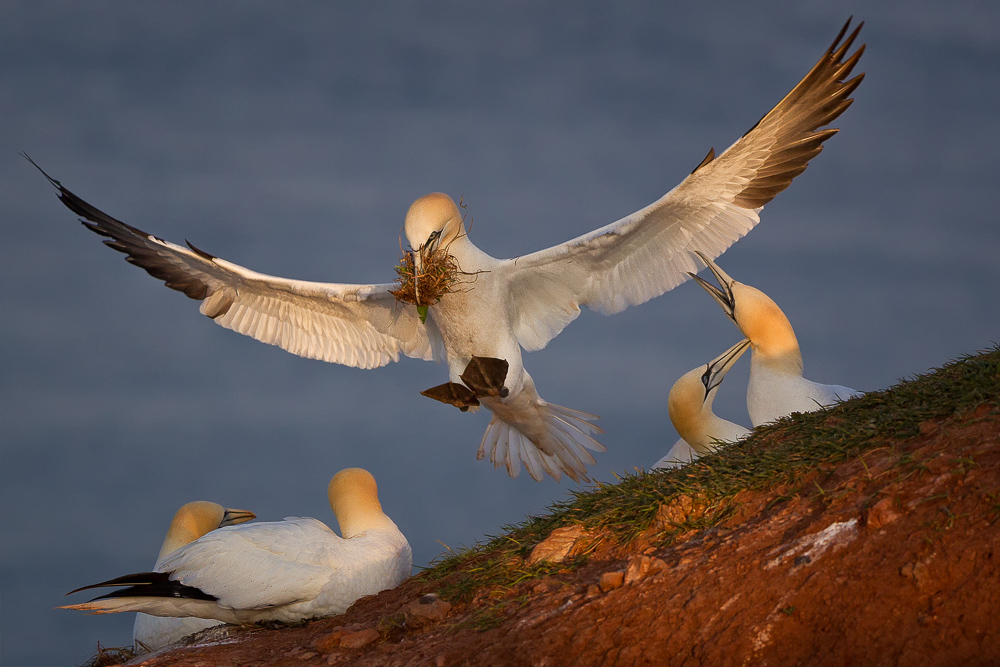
{"x": 776, "y": 388}
{"x": 193, "y": 520}
{"x": 690, "y": 407}
{"x": 510, "y": 304}
{"x": 274, "y": 571}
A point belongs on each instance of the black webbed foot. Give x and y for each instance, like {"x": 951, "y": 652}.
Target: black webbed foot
{"x": 486, "y": 375}
{"x": 453, "y": 393}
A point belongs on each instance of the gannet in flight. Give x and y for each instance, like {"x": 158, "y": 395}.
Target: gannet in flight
{"x": 776, "y": 388}
{"x": 510, "y": 304}
{"x": 193, "y": 520}
{"x": 274, "y": 571}
{"x": 690, "y": 407}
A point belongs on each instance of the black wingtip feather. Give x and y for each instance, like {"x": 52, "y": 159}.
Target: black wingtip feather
{"x": 138, "y": 246}
{"x": 198, "y": 251}
{"x": 35, "y": 165}
{"x": 148, "y": 584}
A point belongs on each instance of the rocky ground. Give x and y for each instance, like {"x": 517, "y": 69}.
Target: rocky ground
{"x": 885, "y": 555}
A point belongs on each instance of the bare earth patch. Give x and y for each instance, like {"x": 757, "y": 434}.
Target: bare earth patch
{"x": 891, "y": 557}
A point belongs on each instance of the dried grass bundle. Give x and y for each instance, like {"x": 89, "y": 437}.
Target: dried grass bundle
{"x": 438, "y": 275}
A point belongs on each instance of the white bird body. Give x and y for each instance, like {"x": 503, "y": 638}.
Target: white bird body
{"x": 191, "y": 522}
{"x": 776, "y": 388}
{"x": 509, "y": 304}
{"x": 276, "y": 571}
{"x": 773, "y": 392}
{"x": 690, "y": 406}
{"x": 287, "y": 570}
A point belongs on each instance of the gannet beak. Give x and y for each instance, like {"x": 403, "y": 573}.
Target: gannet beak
{"x": 426, "y": 250}
{"x": 233, "y": 517}
{"x": 724, "y": 295}
{"x": 716, "y": 369}
{"x": 418, "y": 263}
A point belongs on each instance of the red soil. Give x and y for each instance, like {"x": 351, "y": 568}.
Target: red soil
{"x": 893, "y": 559}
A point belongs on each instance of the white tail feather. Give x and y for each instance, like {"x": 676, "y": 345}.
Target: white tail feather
{"x": 563, "y": 449}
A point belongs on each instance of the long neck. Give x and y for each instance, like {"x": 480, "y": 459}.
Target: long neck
{"x": 354, "y": 521}
{"x": 181, "y": 532}
{"x": 470, "y": 258}
{"x": 773, "y": 341}
{"x": 702, "y": 431}
{"x": 782, "y": 358}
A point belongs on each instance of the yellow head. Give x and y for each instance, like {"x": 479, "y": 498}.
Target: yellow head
{"x": 758, "y": 317}
{"x": 433, "y": 221}
{"x": 691, "y": 397}
{"x": 354, "y": 500}
{"x": 763, "y": 322}
{"x": 198, "y": 518}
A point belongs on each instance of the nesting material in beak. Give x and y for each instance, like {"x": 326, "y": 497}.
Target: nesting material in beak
{"x": 424, "y": 278}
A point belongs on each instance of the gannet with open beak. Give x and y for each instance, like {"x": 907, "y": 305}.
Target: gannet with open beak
{"x": 776, "y": 388}
{"x": 274, "y": 571}
{"x": 690, "y": 406}
{"x": 192, "y": 521}
{"x": 510, "y": 304}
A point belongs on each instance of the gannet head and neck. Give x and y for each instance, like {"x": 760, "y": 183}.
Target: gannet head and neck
{"x": 354, "y": 500}
{"x": 759, "y": 318}
{"x": 433, "y": 221}
{"x": 691, "y": 397}
{"x": 196, "y": 519}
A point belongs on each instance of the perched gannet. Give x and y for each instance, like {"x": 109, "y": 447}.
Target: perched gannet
{"x": 690, "y": 406}
{"x": 776, "y": 388}
{"x": 509, "y": 304}
{"x": 192, "y": 521}
{"x": 274, "y": 571}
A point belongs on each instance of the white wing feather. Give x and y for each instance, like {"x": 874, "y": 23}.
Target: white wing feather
{"x": 355, "y": 325}
{"x": 260, "y": 565}
{"x": 650, "y": 252}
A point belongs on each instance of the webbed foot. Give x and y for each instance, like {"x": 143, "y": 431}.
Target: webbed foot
{"x": 453, "y": 393}
{"x": 486, "y": 375}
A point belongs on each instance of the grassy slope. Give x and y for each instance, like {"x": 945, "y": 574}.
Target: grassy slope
{"x": 773, "y": 456}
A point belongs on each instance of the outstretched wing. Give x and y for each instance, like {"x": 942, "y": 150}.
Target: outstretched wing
{"x": 651, "y": 251}
{"x": 355, "y": 325}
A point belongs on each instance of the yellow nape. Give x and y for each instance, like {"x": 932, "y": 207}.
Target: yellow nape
{"x": 431, "y": 213}
{"x": 354, "y": 500}
{"x": 763, "y": 322}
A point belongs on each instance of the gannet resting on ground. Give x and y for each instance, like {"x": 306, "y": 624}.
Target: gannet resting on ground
{"x": 776, "y": 388}
{"x": 274, "y": 571}
{"x": 194, "y": 520}
{"x": 690, "y": 406}
{"x": 509, "y": 304}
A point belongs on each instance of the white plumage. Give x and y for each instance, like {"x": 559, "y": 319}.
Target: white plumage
{"x": 515, "y": 303}
{"x": 275, "y": 571}
{"x": 192, "y": 521}
{"x": 776, "y": 388}
{"x": 690, "y": 406}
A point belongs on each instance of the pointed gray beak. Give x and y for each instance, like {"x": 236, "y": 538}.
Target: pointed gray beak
{"x": 716, "y": 369}
{"x": 424, "y": 251}
{"x": 233, "y": 517}
{"x": 723, "y": 295}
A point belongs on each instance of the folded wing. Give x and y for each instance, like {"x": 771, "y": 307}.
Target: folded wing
{"x": 262, "y": 565}
{"x": 650, "y": 252}
{"x": 355, "y": 325}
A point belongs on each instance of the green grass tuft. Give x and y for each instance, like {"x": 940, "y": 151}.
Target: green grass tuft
{"x": 774, "y": 455}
